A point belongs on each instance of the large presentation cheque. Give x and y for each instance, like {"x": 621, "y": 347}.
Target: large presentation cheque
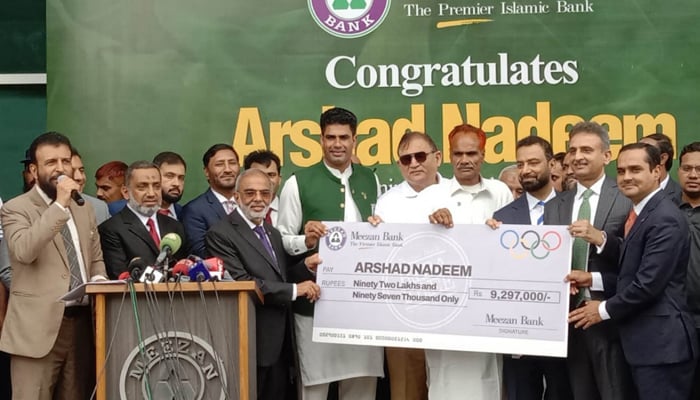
{"x": 466, "y": 288}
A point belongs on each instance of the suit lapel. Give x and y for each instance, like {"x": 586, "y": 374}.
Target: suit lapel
{"x": 216, "y": 205}
{"x": 521, "y": 208}
{"x": 57, "y": 240}
{"x": 566, "y": 207}
{"x": 134, "y": 225}
{"x": 605, "y": 202}
{"x": 641, "y": 218}
{"x": 252, "y": 238}
{"x": 164, "y": 225}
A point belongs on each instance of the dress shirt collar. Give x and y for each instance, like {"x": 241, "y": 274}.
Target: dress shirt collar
{"x": 143, "y": 218}
{"x": 343, "y": 176}
{"x": 221, "y": 198}
{"x": 405, "y": 189}
{"x": 532, "y": 200}
{"x": 663, "y": 183}
{"x": 597, "y": 187}
{"x": 455, "y": 187}
{"x": 172, "y": 213}
{"x": 43, "y": 195}
{"x": 247, "y": 221}
{"x": 640, "y": 206}
{"x": 275, "y": 203}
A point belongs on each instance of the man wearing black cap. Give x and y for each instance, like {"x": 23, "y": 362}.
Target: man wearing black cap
{"x": 27, "y": 176}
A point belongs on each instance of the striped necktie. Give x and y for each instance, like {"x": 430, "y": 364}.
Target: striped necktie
{"x": 76, "y": 277}
{"x": 540, "y": 208}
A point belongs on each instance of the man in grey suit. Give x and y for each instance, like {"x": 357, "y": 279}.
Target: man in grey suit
{"x": 595, "y": 212}
{"x": 101, "y": 210}
{"x": 252, "y": 250}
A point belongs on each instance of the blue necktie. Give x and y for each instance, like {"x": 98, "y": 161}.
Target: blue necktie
{"x": 540, "y": 220}
{"x": 260, "y": 231}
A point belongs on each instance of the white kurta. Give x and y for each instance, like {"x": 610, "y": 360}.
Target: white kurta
{"x": 461, "y": 374}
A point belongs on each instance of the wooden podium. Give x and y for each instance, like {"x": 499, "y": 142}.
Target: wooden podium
{"x": 176, "y": 341}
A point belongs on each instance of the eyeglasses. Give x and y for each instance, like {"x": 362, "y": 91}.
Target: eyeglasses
{"x": 686, "y": 169}
{"x": 420, "y": 157}
{"x": 251, "y": 194}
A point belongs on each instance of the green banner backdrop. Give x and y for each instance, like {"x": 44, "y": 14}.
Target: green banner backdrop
{"x": 128, "y": 79}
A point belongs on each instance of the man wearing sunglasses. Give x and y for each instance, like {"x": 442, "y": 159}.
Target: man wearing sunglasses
{"x": 419, "y": 160}
{"x": 468, "y": 198}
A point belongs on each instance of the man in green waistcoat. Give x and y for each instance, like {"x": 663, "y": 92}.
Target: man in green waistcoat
{"x": 332, "y": 190}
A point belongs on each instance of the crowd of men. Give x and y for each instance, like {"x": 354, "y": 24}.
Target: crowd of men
{"x": 635, "y": 269}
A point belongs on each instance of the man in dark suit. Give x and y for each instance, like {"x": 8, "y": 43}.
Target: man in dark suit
{"x": 252, "y": 250}
{"x": 523, "y": 377}
{"x": 665, "y": 147}
{"x": 595, "y": 212}
{"x": 221, "y": 169}
{"x": 136, "y": 230}
{"x": 54, "y": 246}
{"x": 650, "y": 306}
{"x": 172, "y": 185}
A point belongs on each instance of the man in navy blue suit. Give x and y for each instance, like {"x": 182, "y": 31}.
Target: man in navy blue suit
{"x": 221, "y": 169}
{"x": 523, "y": 377}
{"x": 172, "y": 185}
{"x": 650, "y": 307}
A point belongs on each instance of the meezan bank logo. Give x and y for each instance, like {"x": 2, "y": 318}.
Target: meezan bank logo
{"x": 349, "y": 18}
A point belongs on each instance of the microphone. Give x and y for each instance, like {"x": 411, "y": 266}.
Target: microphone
{"x": 169, "y": 244}
{"x": 180, "y": 270}
{"x": 215, "y": 266}
{"x": 124, "y": 276}
{"x": 199, "y": 272}
{"x": 135, "y": 267}
{"x": 74, "y": 194}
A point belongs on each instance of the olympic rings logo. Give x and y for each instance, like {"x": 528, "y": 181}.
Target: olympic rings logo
{"x": 531, "y": 242}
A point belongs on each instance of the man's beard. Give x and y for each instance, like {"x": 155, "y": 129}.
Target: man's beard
{"x": 47, "y": 186}
{"x": 171, "y": 199}
{"x": 252, "y": 215}
{"x": 539, "y": 183}
{"x": 143, "y": 210}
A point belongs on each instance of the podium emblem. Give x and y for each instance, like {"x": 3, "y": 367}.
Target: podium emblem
{"x": 173, "y": 365}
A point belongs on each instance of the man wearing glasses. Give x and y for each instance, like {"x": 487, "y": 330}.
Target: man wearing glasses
{"x": 419, "y": 160}
{"x": 252, "y": 251}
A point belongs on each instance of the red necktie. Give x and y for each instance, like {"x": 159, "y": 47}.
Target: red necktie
{"x": 164, "y": 211}
{"x": 268, "y": 217}
{"x": 153, "y": 232}
{"x": 630, "y": 221}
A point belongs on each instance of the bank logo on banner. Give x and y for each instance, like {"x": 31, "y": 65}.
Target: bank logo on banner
{"x": 349, "y": 18}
